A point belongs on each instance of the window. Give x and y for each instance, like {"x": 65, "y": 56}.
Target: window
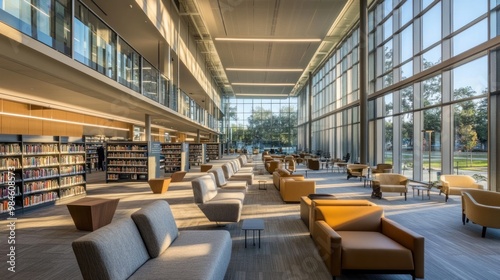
{"x": 431, "y": 26}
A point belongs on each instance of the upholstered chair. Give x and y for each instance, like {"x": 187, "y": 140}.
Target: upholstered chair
{"x": 357, "y": 171}
{"x": 361, "y": 239}
{"x": 389, "y": 182}
{"x": 481, "y": 207}
{"x": 382, "y": 168}
{"x": 455, "y": 184}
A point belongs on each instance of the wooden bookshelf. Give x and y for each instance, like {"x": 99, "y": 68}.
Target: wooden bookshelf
{"x": 41, "y": 169}
{"x": 126, "y": 161}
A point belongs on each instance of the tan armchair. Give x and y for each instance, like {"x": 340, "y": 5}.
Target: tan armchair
{"x": 271, "y": 165}
{"x": 357, "y": 171}
{"x": 389, "y": 182}
{"x": 291, "y": 189}
{"x": 382, "y": 168}
{"x": 360, "y": 238}
{"x": 455, "y": 184}
{"x": 283, "y": 173}
{"x": 482, "y": 208}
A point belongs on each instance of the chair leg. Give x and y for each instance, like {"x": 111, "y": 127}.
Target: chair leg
{"x": 446, "y": 199}
{"x": 463, "y": 218}
{"x": 483, "y": 234}
{"x": 405, "y": 196}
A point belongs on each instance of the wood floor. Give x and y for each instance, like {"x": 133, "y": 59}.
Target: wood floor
{"x": 452, "y": 250}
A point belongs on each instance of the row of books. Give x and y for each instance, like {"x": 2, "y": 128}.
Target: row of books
{"x": 127, "y": 169}
{"x": 128, "y": 162}
{"x": 10, "y": 149}
{"x": 127, "y": 148}
{"x": 127, "y": 155}
{"x": 39, "y": 198}
{"x": 40, "y": 186}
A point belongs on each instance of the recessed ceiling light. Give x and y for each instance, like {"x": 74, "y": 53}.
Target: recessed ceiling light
{"x": 263, "y": 84}
{"x": 284, "y": 40}
{"x": 265, "y": 69}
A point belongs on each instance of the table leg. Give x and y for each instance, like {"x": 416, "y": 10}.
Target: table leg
{"x": 245, "y": 238}
{"x": 259, "y": 239}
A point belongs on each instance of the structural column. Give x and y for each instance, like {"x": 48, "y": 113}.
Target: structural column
{"x": 147, "y": 129}
{"x": 363, "y": 81}
{"x": 309, "y": 133}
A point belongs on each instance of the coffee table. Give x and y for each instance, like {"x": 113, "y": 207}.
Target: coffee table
{"x": 91, "y": 213}
{"x": 423, "y": 189}
{"x": 253, "y": 225}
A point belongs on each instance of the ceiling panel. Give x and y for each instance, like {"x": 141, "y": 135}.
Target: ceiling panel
{"x": 268, "y": 19}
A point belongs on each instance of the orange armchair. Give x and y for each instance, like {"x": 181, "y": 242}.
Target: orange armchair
{"x": 360, "y": 238}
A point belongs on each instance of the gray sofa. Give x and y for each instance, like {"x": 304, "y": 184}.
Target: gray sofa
{"x": 149, "y": 246}
{"x": 233, "y": 175}
{"x": 217, "y": 205}
{"x": 222, "y": 183}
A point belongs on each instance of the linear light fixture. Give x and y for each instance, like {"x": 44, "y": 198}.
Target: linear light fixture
{"x": 277, "y": 40}
{"x": 266, "y": 69}
{"x": 62, "y": 121}
{"x": 262, "y": 94}
{"x": 264, "y": 84}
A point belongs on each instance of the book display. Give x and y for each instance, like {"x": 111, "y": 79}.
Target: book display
{"x": 174, "y": 156}
{"x": 126, "y": 161}
{"x": 196, "y": 153}
{"x": 37, "y": 170}
{"x": 214, "y": 151}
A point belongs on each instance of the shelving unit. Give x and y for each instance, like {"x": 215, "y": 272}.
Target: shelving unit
{"x": 197, "y": 153}
{"x": 37, "y": 170}
{"x": 214, "y": 151}
{"x": 91, "y": 145}
{"x": 127, "y": 161}
{"x": 175, "y": 158}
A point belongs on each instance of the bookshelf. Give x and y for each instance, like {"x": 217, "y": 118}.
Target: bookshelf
{"x": 214, "y": 151}
{"x": 126, "y": 161}
{"x": 38, "y": 170}
{"x": 196, "y": 154}
{"x": 91, "y": 145}
{"x": 175, "y": 156}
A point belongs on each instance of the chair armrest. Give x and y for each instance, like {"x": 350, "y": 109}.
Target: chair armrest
{"x": 329, "y": 244}
{"x": 408, "y": 239}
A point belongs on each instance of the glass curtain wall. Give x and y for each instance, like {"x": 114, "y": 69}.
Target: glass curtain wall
{"x": 264, "y": 124}
{"x": 428, "y": 124}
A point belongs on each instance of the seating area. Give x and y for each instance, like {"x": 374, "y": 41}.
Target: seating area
{"x": 300, "y": 219}
{"x": 482, "y": 208}
{"x": 154, "y": 248}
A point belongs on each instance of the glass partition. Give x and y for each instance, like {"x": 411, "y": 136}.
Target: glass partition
{"x": 150, "y": 81}
{"x": 47, "y": 21}
{"x": 95, "y": 43}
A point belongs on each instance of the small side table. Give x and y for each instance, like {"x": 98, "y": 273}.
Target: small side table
{"x": 253, "y": 225}
{"x": 91, "y": 213}
{"x": 159, "y": 185}
{"x": 262, "y": 185}
{"x": 423, "y": 189}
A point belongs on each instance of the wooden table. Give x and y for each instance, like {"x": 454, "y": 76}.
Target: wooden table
{"x": 159, "y": 185}
{"x": 205, "y": 167}
{"x": 91, "y": 213}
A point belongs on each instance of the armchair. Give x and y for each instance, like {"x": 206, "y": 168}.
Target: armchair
{"x": 389, "y": 182}
{"x": 455, "y": 184}
{"x": 360, "y": 238}
{"x": 357, "y": 170}
{"x": 291, "y": 189}
{"x": 283, "y": 173}
{"x": 482, "y": 208}
{"x": 382, "y": 168}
